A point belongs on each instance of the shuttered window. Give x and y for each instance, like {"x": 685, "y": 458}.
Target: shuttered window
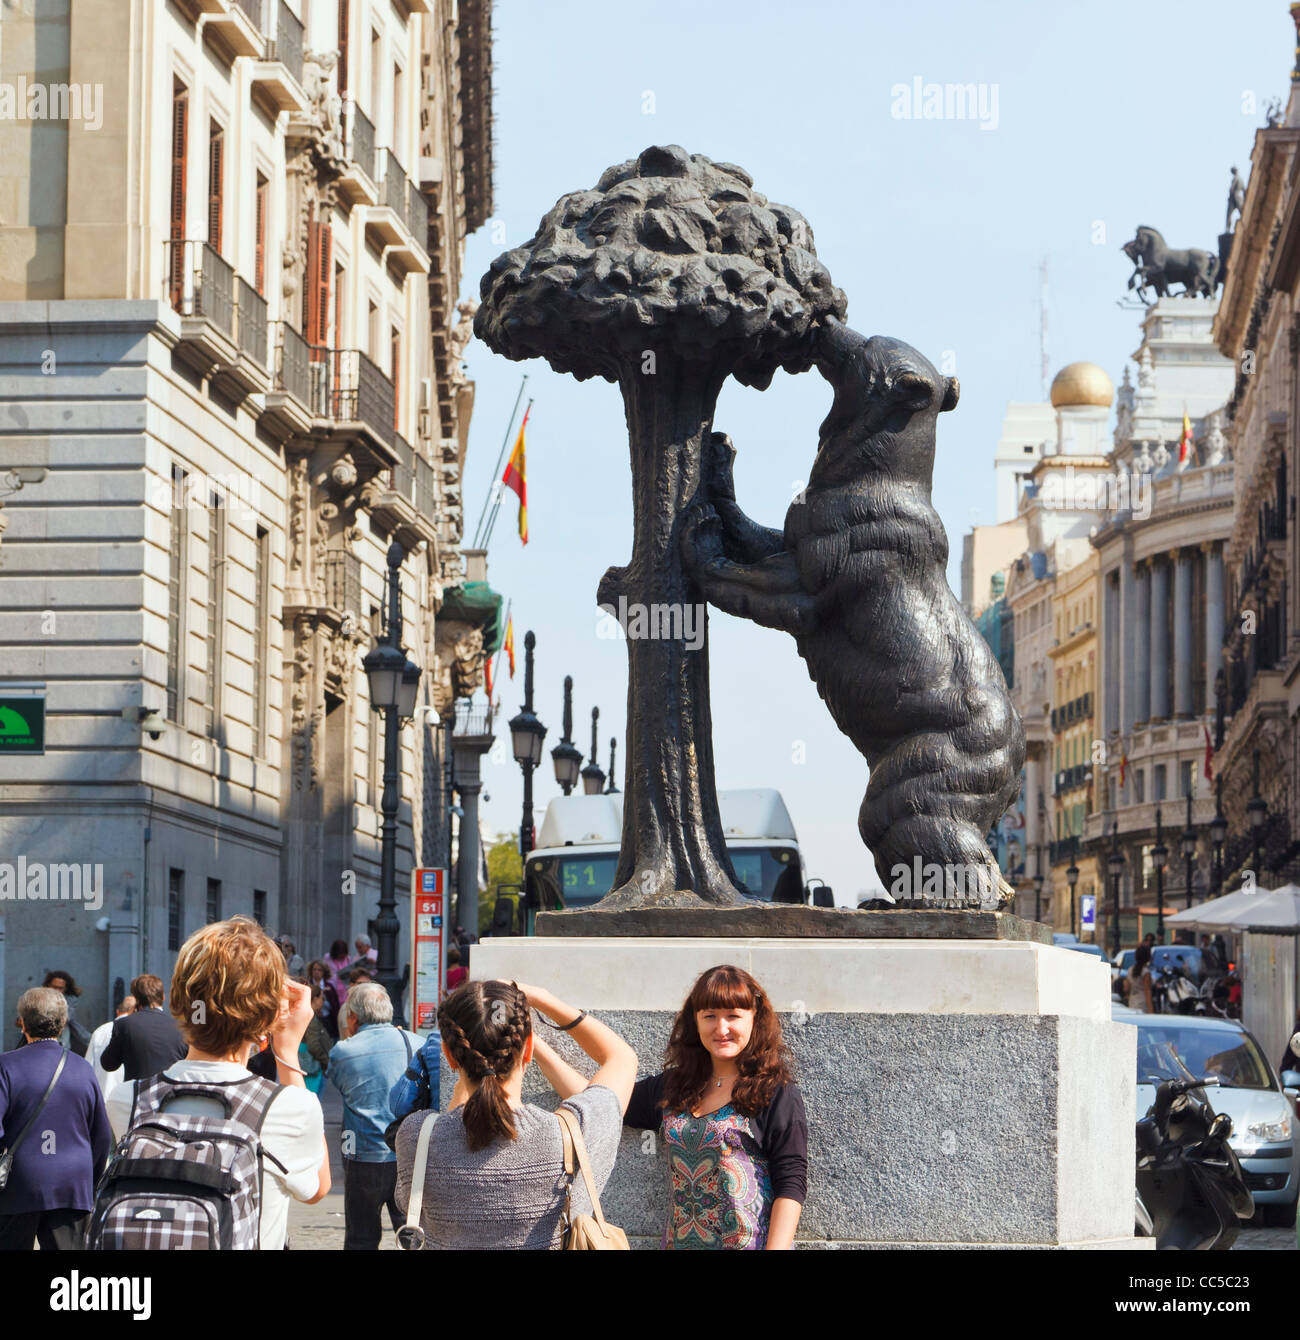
{"x": 343, "y": 48}
{"x": 317, "y": 314}
{"x": 180, "y": 123}
{"x": 216, "y": 171}
{"x": 260, "y": 259}
{"x": 396, "y": 355}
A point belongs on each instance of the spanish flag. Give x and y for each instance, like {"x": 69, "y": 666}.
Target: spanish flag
{"x": 1185, "y": 443}
{"x": 515, "y": 478}
{"x": 509, "y": 645}
{"x": 487, "y": 678}
{"x": 1123, "y": 763}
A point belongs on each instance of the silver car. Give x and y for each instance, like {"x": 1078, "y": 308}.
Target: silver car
{"x": 1264, "y": 1132}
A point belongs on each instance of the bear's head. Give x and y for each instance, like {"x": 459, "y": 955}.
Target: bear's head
{"x": 887, "y": 398}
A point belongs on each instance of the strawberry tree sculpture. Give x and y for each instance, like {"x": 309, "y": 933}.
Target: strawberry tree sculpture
{"x": 672, "y": 274}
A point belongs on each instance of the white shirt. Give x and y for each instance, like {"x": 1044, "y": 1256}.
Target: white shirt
{"x": 293, "y": 1133}
{"x": 99, "y": 1039}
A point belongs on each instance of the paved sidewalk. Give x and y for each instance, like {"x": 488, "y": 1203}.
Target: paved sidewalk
{"x": 319, "y": 1227}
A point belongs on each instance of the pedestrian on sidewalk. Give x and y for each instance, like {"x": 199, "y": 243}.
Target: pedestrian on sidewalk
{"x": 495, "y": 1173}
{"x": 57, "y": 1148}
{"x": 339, "y": 960}
{"x": 363, "y": 1066}
{"x": 730, "y": 1118}
{"x": 319, "y": 974}
{"x": 99, "y": 1040}
{"x": 146, "y": 1040}
{"x": 75, "y": 1037}
{"x": 229, "y": 991}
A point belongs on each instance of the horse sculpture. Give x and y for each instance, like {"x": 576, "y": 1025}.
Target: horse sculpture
{"x": 1157, "y": 266}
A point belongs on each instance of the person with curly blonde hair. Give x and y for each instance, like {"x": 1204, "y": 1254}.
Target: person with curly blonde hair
{"x": 731, "y": 1119}
{"x": 229, "y": 992}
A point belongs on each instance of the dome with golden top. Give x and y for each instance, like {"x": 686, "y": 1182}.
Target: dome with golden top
{"x": 1081, "y": 384}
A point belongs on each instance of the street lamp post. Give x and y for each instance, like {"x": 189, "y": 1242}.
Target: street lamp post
{"x": 1257, "y": 812}
{"x": 565, "y": 755}
{"x": 1116, "y": 866}
{"x": 1188, "y": 844}
{"x": 1072, "y": 879}
{"x": 394, "y": 684}
{"x": 1218, "y": 834}
{"x": 1038, "y": 882}
{"x": 593, "y": 780}
{"x": 526, "y": 736}
{"x": 1159, "y": 857}
{"x": 611, "y": 789}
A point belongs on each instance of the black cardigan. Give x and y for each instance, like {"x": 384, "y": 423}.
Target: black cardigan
{"x": 781, "y": 1128}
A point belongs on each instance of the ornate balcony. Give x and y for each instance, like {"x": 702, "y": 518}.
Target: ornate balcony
{"x": 201, "y": 287}
{"x": 287, "y": 405}
{"x": 353, "y": 398}
{"x": 277, "y": 80}
{"x": 359, "y": 173}
{"x": 392, "y": 222}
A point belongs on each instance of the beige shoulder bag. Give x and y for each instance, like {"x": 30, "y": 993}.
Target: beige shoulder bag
{"x": 410, "y": 1237}
{"x": 583, "y": 1232}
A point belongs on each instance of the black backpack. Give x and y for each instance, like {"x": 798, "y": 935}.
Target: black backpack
{"x": 178, "y": 1181}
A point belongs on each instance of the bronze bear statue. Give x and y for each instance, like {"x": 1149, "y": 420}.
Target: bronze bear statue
{"x": 858, "y": 577}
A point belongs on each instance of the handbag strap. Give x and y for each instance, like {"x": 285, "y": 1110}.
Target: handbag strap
{"x": 40, "y": 1107}
{"x": 416, "y": 1203}
{"x": 575, "y": 1149}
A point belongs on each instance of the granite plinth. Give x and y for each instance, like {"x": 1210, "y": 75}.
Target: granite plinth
{"x": 795, "y": 920}
{"x": 959, "y": 1093}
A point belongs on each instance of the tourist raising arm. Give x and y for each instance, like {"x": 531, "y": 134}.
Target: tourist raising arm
{"x": 616, "y": 1061}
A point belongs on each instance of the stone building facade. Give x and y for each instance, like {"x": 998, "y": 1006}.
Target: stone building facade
{"x": 228, "y": 328}
{"x": 1162, "y": 610}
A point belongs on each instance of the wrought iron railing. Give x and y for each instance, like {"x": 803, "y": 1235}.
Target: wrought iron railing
{"x": 342, "y": 581}
{"x": 424, "y": 488}
{"x": 253, "y": 8}
{"x": 417, "y": 214}
{"x": 472, "y": 720}
{"x": 293, "y": 368}
{"x": 287, "y": 46}
{"x": 360, "y": 138}
{"x": 252, "y": 322}
{"x": 200, "y": 283}
{"x": 401, "y": 478}
{"x": 348, "y": 388}
{"x": 393, "y": 188}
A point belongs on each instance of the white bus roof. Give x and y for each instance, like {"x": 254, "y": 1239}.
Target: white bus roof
{"x": 585, "y": 821}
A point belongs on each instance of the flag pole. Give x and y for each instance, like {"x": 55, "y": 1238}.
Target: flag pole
{"x": 492, "y": 520}
{"x": 496, "y": 473}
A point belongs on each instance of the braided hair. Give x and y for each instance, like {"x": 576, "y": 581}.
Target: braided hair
{"x": 485, "y": 1026}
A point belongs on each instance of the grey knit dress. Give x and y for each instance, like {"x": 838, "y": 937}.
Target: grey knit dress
{"x": 511, "y": 1194}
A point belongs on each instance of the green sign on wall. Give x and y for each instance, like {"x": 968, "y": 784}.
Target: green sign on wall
{"x": 22, "y": 725}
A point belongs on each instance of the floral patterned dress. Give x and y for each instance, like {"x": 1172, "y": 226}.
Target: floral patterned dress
{"x": 720, "y": 1193}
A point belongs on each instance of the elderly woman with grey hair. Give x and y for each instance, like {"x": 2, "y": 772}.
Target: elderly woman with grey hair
{"x": 369, "y": 1058}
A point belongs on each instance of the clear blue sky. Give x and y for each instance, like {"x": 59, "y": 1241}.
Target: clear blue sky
{"x": 1107, "y": 114}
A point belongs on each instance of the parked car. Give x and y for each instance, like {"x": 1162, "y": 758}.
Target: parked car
{"x": 1264, "y": 1135}
{"x": 1095, "y": 950}
{"x": 1065, "y": 938}
{"x": 1164, "y": 958}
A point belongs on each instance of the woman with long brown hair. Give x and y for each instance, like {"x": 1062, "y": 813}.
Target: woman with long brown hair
{"x": 495, "y": 1173}
{"x": 731, "y": 1119}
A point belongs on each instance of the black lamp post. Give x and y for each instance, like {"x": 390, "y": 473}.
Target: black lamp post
{"x": 1159, "y": 858}
{"x": 1257, "y": 812}
{"x": 1038, "y": 882}
{"x": 394, "y": 684}
{"x": 526, "y": 736}
{"x": 565, "y": 755}
{"x": 1218, "y": 834}
{"x": 611, "y": 789}
{"x": 1188, "y": 844}
{"x": 1115, "y": 863}
{"x": 593, "y": 780}
{"x": 1072, "y": 879}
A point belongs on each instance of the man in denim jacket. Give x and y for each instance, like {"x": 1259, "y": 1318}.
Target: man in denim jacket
{"x": 364, "y": 1065}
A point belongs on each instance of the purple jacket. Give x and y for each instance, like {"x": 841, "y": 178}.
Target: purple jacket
{"x": 61, "y": 1157}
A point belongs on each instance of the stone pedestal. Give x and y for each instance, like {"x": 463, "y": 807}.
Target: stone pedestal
{"x": 959, "y": 1093}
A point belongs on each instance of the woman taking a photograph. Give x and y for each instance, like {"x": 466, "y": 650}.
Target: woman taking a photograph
{"x": 731, "y": 1120}
{"x": 495, "y": 1175}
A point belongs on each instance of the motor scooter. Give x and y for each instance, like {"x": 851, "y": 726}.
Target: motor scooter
{"x": 1191, "y": 1195}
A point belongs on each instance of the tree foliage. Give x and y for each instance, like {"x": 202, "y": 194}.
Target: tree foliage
{"x": 670, "y": 250}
